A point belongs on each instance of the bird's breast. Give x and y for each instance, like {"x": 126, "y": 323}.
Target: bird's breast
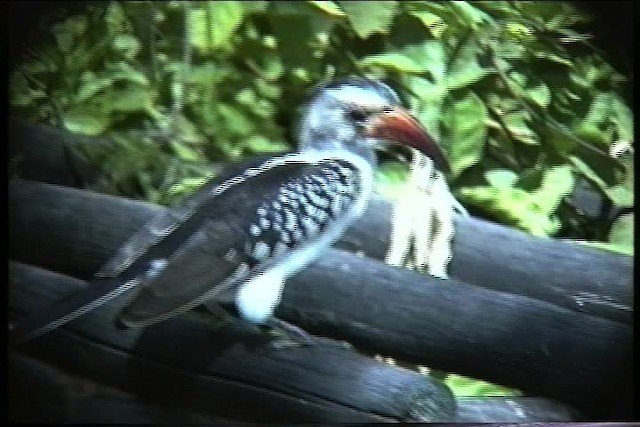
{"x": 292, "y": 228}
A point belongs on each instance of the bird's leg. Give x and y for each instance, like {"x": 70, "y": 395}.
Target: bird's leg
{"x": 293, "y": 336}
{"x": 286, "y": 331}
{"x": 216, "y": 316}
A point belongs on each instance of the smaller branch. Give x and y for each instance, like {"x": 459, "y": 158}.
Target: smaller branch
{"x": 253, "y": 67}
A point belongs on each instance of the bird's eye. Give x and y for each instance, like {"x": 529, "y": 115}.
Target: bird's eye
{"x": 358, "y": 115}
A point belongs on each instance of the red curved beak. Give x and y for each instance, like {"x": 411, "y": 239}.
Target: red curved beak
{"x": 396, "y": 124}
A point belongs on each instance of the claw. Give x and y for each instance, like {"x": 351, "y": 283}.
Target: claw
{"x": 287, "y": 335}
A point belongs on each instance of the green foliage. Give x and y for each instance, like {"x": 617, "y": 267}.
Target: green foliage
{"x": 518, "y": 98}
{"x": 531, "y": 210}
{"x": 620, "y": 237}
{"x": 462, "y": 386}
{"x": 369, "y": 17}
{"x": 212, "y": 26}
{"x": 622, "y": 233}
{"x": 465, "y": 121}
{"x": 390, "y": 176}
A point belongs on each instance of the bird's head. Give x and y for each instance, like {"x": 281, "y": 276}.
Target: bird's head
{"x": 359, "y": 114}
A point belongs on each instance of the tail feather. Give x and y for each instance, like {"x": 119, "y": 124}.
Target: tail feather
{"x": 99, "y": 293}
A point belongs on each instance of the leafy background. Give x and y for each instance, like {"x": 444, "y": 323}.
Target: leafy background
{"x": 528, "y": 110}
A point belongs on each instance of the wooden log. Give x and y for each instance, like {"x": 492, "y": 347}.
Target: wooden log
{"x": 46, "y": 154}
{"x": 492, "y": 256}
{"x": 485, "y": 254}
{"x": 455, "y": 327}
{"x": 39, "y": 392}
{"x": 449, "y": 325}
{"x": 63, "y": 398}
{"x": 232, "y": 373}
{"x": 36, "y": 392}
{"x": 513, "y": 410}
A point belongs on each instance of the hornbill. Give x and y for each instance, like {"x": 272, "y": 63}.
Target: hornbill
{"x": 246, "y": 233}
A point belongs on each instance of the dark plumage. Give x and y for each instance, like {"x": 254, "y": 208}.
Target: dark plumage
{"x": 247, "y": 232}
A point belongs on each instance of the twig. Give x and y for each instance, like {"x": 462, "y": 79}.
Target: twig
{"x": 252, "y": 66}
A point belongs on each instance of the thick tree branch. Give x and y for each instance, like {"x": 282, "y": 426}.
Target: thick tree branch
{"x": 447, "y": 324}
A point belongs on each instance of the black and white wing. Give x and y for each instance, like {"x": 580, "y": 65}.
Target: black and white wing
{"x": 276, "y": 215}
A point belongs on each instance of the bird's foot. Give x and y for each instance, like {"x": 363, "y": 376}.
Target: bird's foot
{"x": 215, "y": 317}
{"x": 286, "y": 335}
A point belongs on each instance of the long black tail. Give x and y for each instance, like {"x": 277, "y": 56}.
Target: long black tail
{"x": 100, "y": 292}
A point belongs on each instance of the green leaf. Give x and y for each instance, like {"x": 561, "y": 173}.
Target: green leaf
{"x": 517, "y": 30}
{"x": 468, "y": 387}
{"x": 66, "y": 32}
{"x": 260, "y": 145}
{"x": 90, "y": 87}
{"x": 254, "y": 6}
{"x": 123, "y": 71}
{"x": 592, "y": 134}
{"x": 466, "y": 121}
{"x": 599, "y": 110}
{"x": 498, "y": 9}
{"x": 465, "y": 68}
{"x": 188, "y": 133}
{"x": 297, "y": 27}
{"x": 85, "y": 120}
{"x": 540, "y": 94}
{"x": 213, "y": 26}
{"x": 390, "y": 177}
{"x": 246, "y": 97}
{"x": 133, "y": 98}
{"x": 588, "y": 172}
{"x": 546, "y": 12}
{"x": 429, "y": 56}
{"x": 203, "y": 74}
{"x": 557, "y": 182}
{"x": 328, "y": 7}
{"x": 392, "y": 61}
{"x": 591, "y": 69}
{"x": 368, "y": 17}
{"x": 434, "y": 23}
{"x": 318, "y": 21}
{"x": 127, "y": 44}
{"x": 184, "y": 152}
{"x": 622, "y": 232}
{"x": 21, "y": 93}
{"x": 513, "y": 206}
{"x": 509, "y": 50}
{"x": 622, "y": 194}
{"x": 268, "y": 90}
{"x": 187, "y": 186}
{"x": 517, "y": 125}
{"x": 115, "y": 18}
{"x": 42, "y": 65}
{"x": 553, "y": 57}
{"x": 427, "y": 101}
{"x": 622, "y": 116}
{"x": 234, "y": 121}
{"x": 470, "y": 14}
{"x": 560, "y": 139}
{"x": 599, "y": 168}
{"x": 501, "y": 178}
{"x": 532, "y": 88}
{"x": 272, "y": 68}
